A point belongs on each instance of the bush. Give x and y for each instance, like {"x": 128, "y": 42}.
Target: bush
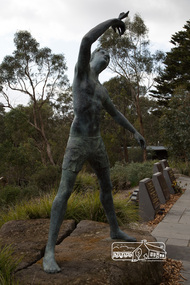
{"x": 135, "y": 154}
{"x": 46, "y": 177}
{"x": 181, "y": 167}
{"x": 119, "y": 176}
{"x": 124, "y": 176}
{"x": 85, "y": 181}
{"x": 9, "y": 195}
{"x": 139, "y": 171}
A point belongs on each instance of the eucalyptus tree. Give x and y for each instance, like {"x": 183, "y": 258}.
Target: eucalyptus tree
{"x": 38, "y": 74}
{"x": 132, "y": 59}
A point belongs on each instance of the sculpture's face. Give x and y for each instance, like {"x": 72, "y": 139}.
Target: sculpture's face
{"x": 100, "y": 60}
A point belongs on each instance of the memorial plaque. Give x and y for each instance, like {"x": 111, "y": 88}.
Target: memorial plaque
{"x": 149, "y": 203}
{"x": 164, "y": 187}
{"x": 169, "y": 178}
{"x": 171, "y": 175}
{"x": 164, "y": 163}
{"x": 157, "y": 167}
{"x": 153, "y": 195}
{"x": 161, "y": 187}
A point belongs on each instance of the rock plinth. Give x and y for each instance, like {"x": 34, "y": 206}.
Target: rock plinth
{"x": 84, "y": 257}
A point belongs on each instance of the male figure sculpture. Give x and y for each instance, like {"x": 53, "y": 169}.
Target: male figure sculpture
{"x": 85, "y": 142}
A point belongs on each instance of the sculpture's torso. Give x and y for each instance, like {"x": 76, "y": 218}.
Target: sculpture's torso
{"x": 88, "y": 96}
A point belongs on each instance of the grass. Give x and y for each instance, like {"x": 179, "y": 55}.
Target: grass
{"x": 81, "y": 206}
{"x": 8, "y": 265}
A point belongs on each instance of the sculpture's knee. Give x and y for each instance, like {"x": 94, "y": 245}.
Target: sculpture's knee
{"x": 64, "y": 196}
{"x": 61, "y": 199}
{"x": 106, "y": 196}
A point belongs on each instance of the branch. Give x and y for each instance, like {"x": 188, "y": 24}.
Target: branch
{"x": 31, "y": 82}
{"x": 45, "y": 82}
{"x": 6, "y": 97}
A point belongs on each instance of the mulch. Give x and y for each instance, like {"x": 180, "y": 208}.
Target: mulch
{"x": 166, "y": 207}
{"x": 172, "y": 272}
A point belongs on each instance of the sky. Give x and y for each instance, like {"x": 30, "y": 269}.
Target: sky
{"x": 61, "y": 24}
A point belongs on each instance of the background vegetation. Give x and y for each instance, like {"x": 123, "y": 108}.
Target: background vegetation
{"x": 150, "y": 88}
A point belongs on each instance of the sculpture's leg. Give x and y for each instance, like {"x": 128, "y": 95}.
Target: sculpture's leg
{"x": 107, "y": 202}
{"x": 57, "y": 214}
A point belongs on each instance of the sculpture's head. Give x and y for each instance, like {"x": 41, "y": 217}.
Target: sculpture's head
{"x": 99, "y": 59}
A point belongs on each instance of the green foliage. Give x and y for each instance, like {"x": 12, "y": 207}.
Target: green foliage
{"x": 180, "y": 166}
{"x": 9, "y": 195}
{"x": 176, "y": 72}
{"x": 128, "y": 175}
{"x": 175, "y": 125}
{"x": 126, "y": 212}
{"x": 8, "y": 265}
{"x": 135, "y": 154}
{"x": 85, "y": 206}
{"x": 81, "y": 206}
{"x": 33, "y": 209}
{"x": 46, "y": 177}
{"x": 85, "y": 181}
{"x": 133, "y": 61}
{"x": 39, "y": 75}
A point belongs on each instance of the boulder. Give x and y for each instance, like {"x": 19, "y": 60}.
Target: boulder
{"x": 29, "y": 238}
{"x": 83, "y": 253}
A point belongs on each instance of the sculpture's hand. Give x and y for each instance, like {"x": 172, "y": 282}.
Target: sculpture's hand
{"x": 140, "y": 140}
{"x": 119, "y": 26}
{"x": 123, "y": 15}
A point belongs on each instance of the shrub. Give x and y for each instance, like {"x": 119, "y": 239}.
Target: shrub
{"x": 181, "y": 166}
{"x": 85, "y": 181}
{"x": 139, "y": 171}
{"x": 119, "y": 176}
{"x": 135, "y": 154}
{"x": 9, "y": 194}
{"x": 124, "y": 176}
{"x": 46, "y": 177}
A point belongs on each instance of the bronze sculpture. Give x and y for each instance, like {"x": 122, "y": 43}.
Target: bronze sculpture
{"x": 85, "y": 142}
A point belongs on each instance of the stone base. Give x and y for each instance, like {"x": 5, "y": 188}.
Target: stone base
{"x": 85, "y": 258}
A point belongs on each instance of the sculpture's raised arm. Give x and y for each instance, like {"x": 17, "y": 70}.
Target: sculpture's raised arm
{"x": 93, "y": 35}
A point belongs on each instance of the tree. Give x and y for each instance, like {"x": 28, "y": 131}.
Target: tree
{"x": 175, "y": 124}
{"x": 176, "y": 71}
{"x": 118, "y": 138}
{"x": 37, "y": 73}
{"x": 132, "y": 60}
{"x": 22, "y": 158}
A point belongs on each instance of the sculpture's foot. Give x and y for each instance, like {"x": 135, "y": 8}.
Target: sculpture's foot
{"x": 122, "y": 235}
{"x": 50, "y": 265}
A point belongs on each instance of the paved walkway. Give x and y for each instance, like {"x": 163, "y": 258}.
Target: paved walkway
{"x": 174, "y": 230}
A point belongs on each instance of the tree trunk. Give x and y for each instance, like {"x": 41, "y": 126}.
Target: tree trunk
{"x": 139, "y": 114}
{"x": 125, "y": 149}
{"x": 39, "y": 126}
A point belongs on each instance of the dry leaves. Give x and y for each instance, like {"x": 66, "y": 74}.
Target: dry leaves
{"x": 171, "y": 274}
{"x": 166, "y": 207}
